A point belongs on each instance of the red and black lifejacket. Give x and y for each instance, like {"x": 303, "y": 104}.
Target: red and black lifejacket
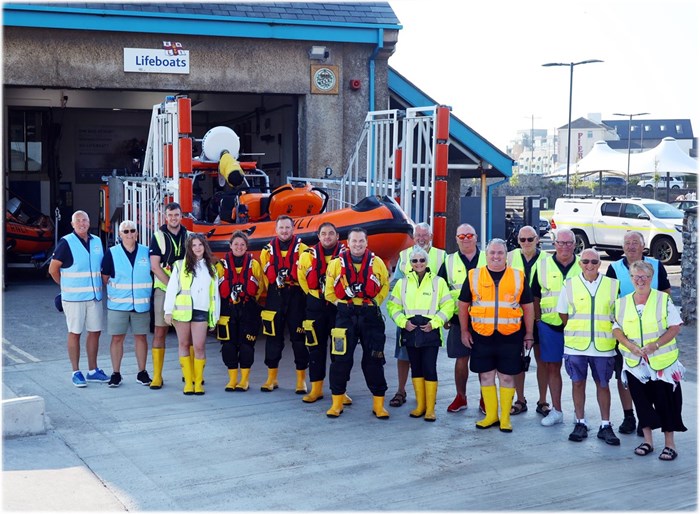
{"x": 277, "y": 262}
{"x": 370, "y": 283}
{"x": 244, "y": 281}
{"x": 318, "y": 263}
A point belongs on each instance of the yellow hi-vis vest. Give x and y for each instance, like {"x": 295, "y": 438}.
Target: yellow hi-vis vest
{"x": 183, "y": 301}
{"x": 431, "y": 299}
{"x": 496, "y": 307}
{"x": 551, "y": 281}
{"x": 515, "y": 261}
{"x": 590, "y": 317}
{"x": 646, "y": 329}
{"x": 160, "y": 239}
{"x": 457, "y": 274}
{"x": 436, "y": 257}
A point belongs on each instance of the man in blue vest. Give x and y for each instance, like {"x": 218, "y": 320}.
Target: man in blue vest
{"x": 126, "y": 271}
{"x": 75, "y": 266}
{"x": 586, "y": 304}
{"x": 633, "y": 246}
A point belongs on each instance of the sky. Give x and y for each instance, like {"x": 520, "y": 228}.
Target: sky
{"x": 484, "y": 59}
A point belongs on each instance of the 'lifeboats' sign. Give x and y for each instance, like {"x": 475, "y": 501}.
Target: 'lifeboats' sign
{"x": 145, "y": 60}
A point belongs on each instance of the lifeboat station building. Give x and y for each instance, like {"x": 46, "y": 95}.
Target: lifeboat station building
{"x": 295, "y": 81}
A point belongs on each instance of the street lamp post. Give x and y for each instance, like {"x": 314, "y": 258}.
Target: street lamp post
{"x": 629, "y": 145}
{"x": 571, "y": 91}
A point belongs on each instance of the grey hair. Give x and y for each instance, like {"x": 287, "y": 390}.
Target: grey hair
{"x": 75, "y": 214}
{"x": 633, "y": 233}
{"x": 497, "y": 241}
{"x": 423, "y": 225}
{"x": 527, "y": 227}
{"x": 591, "y": 250}
{"x": 565, "y": 231}
{"x": 642, "y": 266}
{"x": 417, "y": 252}
{"x": 126, "y": 224}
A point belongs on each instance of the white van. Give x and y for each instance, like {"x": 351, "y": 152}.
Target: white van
{"x": 603, "y": 222}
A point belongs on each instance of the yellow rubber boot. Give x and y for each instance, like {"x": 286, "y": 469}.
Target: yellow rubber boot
{"x": 347, "y": 400}
{"x": 158, "y": 356}
{"x": 187, "y": 373}
{"x": 337, "y": 406}
{"x": 507, "y": 394}
{"x": 271, "y": 383}
{"x": 430, "y": 397}
{"x": 244, "y": 383}
{"x": 316, "y": 392}
{"x": 419, "y": 388}
{"x": 232, "y": 380}
{"x": 491, "y": 403}
{"x": 301, "y": 382}
{"x": 378, "y": 408}
{"x": 199, "y": 376}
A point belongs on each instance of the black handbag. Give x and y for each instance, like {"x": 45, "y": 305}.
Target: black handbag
{"x": 526, "y": 361}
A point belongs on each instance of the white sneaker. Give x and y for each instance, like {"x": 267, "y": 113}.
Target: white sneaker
{"x": 553, "y": 418}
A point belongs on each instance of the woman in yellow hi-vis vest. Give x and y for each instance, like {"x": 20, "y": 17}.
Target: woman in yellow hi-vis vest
{"x": 646, "y": 325}
{"x": 192, "y": 302}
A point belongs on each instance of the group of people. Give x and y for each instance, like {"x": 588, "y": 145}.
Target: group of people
{"x": 490, "y": 309}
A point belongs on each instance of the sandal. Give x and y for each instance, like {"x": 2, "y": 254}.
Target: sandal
{"x": 518, "y": 407}
{"x": 398, "y": 400}
{"x": 542, "y": 408}
{"x": 668, "y": 454}
{"x": 643, "y": 449}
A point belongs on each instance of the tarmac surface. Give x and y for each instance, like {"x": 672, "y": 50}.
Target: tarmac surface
{"x": 130, "y": 448}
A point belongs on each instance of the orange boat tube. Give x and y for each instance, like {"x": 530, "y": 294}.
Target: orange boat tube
{"x": 388, "y": 228}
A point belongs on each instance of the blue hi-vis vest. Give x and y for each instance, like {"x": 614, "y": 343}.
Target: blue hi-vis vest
{"x": 622, "y": 273}
{"x": 130, "y": 289}
{"x": 82, "y": 281}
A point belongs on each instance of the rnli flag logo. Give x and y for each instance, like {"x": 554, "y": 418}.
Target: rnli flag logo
{"x": 172, "y": 47}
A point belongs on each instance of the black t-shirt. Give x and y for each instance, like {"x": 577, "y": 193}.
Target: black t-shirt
{"x": 468, "y": 264}
{"x": 466, "y": 294}
{"x": 62, "y": 251}
{"x": 537, "y": 288}
{"x": 174, "y": 246}
{"x": 108, "y": 261}
{"x": 529, "y": 265}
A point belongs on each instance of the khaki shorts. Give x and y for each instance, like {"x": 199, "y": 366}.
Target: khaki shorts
{"x": 159, "y": 308}
{"x": 81, "y": 316}
{"x": 118, "y": 322}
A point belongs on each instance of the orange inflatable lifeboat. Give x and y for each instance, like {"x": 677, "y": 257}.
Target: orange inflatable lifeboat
{"x": 25, "y": 235}
{"x": 388, "y": 228}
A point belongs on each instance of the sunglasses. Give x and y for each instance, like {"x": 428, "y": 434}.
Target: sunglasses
{"x": 528, "y": 239}
{"x": 128, "y": 231}
{"x": 590, "y": 261}
{"x": 416, "y": 261}
{"x": 462, "y": 237}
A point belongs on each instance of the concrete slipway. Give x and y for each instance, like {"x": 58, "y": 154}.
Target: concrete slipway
{"x": 135, "y": 449}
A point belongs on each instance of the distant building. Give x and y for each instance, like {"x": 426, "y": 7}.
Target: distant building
{"x": 584, "y": 134}
{"x": 645, "y": 134}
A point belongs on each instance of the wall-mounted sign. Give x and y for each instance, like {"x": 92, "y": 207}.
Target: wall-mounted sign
{"x": 172, "y": 58}
{"x": 324, "y": 79}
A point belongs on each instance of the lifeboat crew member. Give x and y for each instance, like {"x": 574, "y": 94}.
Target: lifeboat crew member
{"x": 420, "y": 304}
{"x": 192, "y": 303}
{"x": 75, "y": 266}
{"x": 285, "y": 305}
{"x": 126, "y": 270}
{"x": 320, "y": 313}
{"x": 498, "y": 301}
{"x": 241, "y": 284}
{"x": 422, "y": 238}
{"x": 167, "y": 247}
{"x": 357, "y": 282}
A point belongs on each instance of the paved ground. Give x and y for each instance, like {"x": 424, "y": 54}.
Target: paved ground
{"x": 135, "y": 449}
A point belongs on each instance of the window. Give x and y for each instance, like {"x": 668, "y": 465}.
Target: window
{"x": 662, "y": 127}
{"x": 647, "y": 128}
{"x": 610, "y": 209}
{"x": 632, "y": 211}
{"x": 26, "y": 131}
{"x": 590, "y": 134}
{"x": 679, "y": 128}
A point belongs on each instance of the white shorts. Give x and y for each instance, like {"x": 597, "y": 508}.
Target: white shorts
{"x": 82, "y": 316}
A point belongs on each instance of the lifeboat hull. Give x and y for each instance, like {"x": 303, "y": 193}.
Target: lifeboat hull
{"x": 22, "y": 239}
{"x": 388, "y": 228}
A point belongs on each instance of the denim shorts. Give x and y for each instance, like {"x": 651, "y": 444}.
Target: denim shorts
{"x": 199, "y": 315}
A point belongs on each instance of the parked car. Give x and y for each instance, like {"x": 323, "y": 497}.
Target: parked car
{"x": 673, "y": 182}
{"x": 611, "y": 181}
{"x": 684, "y": 205}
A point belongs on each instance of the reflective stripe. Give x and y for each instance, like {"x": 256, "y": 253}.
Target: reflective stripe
{"x": 80, "y": 274}
{"x": 130, "y": 300}
{"x": 88, "y": 289}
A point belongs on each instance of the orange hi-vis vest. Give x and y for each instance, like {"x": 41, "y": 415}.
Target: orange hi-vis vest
{"x": 496, "y": 307}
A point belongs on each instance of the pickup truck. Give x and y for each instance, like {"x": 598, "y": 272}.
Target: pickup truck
{"x": 601, "y": 223}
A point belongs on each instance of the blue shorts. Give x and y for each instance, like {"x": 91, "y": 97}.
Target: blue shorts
{"x": 551, "y": 343}
{"x": 601, "y": 368}
{"x": 455, "y": 348}
{"x": 400, "y": 352}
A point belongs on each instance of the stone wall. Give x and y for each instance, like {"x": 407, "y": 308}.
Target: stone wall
{"x": 689, "y": 268}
